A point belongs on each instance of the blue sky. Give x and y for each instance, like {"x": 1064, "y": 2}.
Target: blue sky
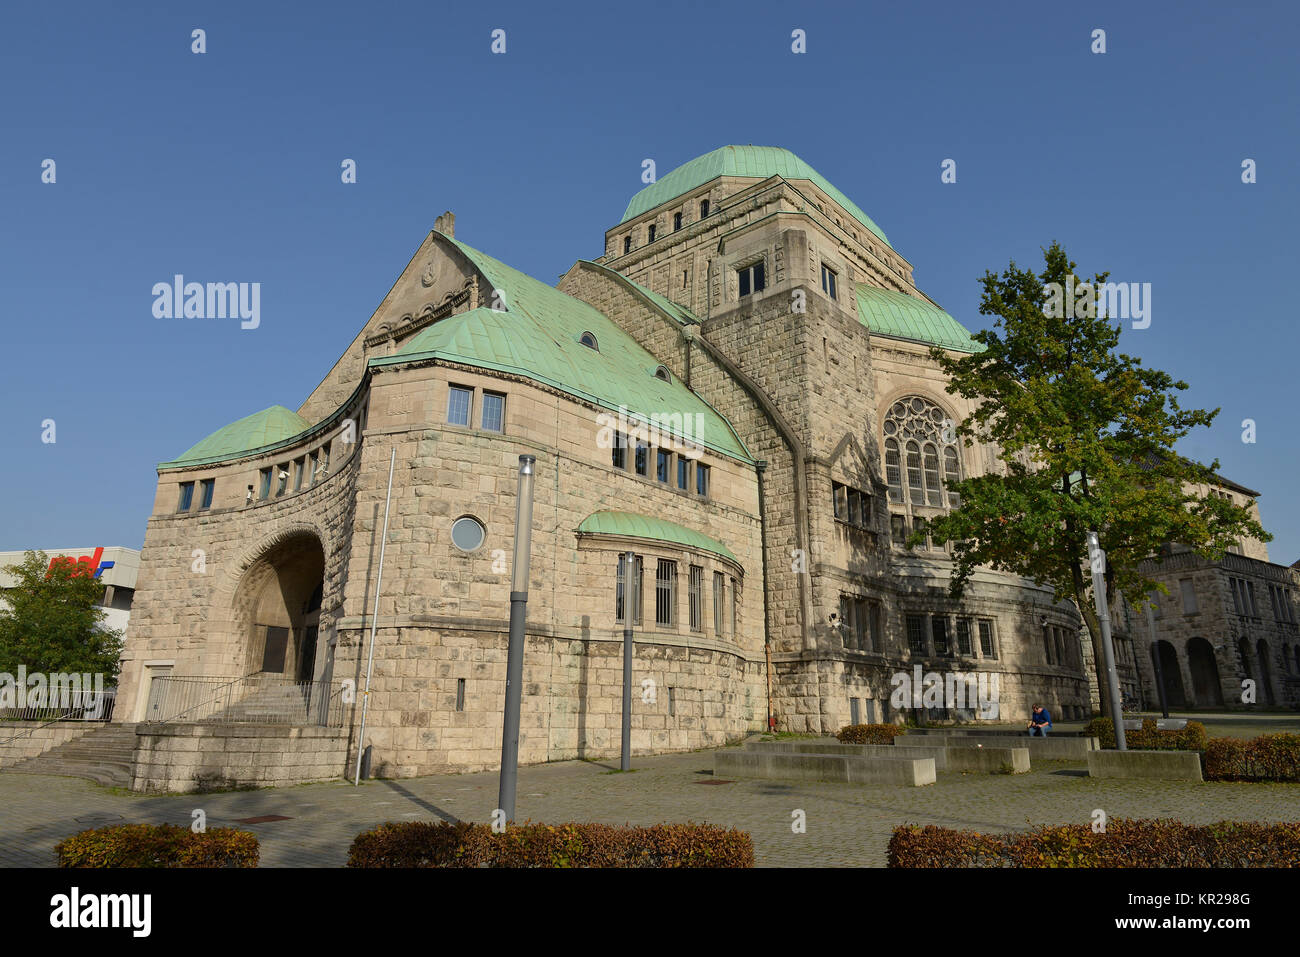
{"x": 225, "y": 166}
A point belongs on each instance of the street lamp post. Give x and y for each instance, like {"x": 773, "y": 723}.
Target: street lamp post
{"x": 1097, "y": 559}
{"x": 515, "y": 652}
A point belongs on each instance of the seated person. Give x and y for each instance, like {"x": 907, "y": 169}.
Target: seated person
{"x": 1039, "y": 722}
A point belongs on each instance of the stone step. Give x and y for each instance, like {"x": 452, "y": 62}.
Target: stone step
{"x": 946, "y": 758}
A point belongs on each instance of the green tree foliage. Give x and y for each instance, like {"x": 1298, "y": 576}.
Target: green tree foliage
{"x": 1086, "y": 437}
{"x": 51, "y": 624}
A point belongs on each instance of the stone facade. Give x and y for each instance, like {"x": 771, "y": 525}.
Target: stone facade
{"x": 818, "y": 605}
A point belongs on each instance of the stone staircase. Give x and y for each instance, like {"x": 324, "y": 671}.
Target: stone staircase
{"x": 273, "y": 704}
{"x": 104, "y": 755}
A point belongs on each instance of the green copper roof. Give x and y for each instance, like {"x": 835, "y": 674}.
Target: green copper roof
{"x": 538, "y": 337}
{"x": 759, "y": 162}
{"x": 900, "y": 316}
{"x": 251, "y": 433}
{"x": 680, "y": 314}
{"x": 643, "y": 526}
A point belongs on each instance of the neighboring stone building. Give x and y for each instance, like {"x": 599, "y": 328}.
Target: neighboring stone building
{"x": 1221, "y": 624}
{"x": 774, "y": 349}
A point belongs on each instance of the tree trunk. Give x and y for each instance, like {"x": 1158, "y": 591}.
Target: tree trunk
{"x": 1093, "y": 624}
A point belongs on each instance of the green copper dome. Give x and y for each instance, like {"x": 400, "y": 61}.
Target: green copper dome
{"x": 260, "y": 430}
{"x": 758, "y": 162}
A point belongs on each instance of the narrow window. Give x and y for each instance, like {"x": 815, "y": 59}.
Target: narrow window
{"x": 683, "y": 472}
{"x": 704, "y": 208}
{"x": 458, "y": 404}
{"x": 840, "y": 500}
{"x": 311, "y": 468}
{"x": 876, "y": 638}
{"x": 828, "y": 280}
{"x": 893, "y": 471}
{"x": 934, "y": 493}
{"x": 696, "y": 597}
{"x": 187, "y": 497}
{"x": 855, "y": 716}
{"x": 642, "y": 458}
{"x": 846, "y": 621}
{"x": 855, "y": 507}
{"x": 964, "y": 646}
{"x": 1189, "y": 596}
{"x": 1250, "y": 594}
{"x": 719, "y": 597}
{"x": 665, "y": 592}
{"x": 206, "y": 489}
{"x": 916, "y": 634}
{"x": 677, "y": 221}
{"x": 672, "y": 701}
{"x": 1236, "y": 598}
{"x": 650, "y": 233}
{"x": 621, "y": 589}
{"x": 702, "y": 479}
{"x": 752, "y": 279}
{"x": 986, "y": 640}
{"x": 627, "y": 245}
{"x": 735, "y": 608}
{"x": 939, "y": 629}
{"x": 1047, "y": 644}
{"x": 663, "y": 465}
{"x": 898, "y": 529}
{"x": 951, "y": 475}
{"x": 460, "y": 694}
{"x": 282, "y": 479}
{"x": 264, "y": 491}
{"x": 324, "y": 460}
{"x": 299, "y": 466}
{"x": 494, "y": 411}
{"x": 619, "y": 456}
{"x": 860, "y": 623}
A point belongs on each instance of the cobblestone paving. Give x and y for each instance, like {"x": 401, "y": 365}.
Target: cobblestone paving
{"x": 847, "y": 825}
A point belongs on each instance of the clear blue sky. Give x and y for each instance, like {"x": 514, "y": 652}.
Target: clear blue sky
{"x": 225, "y": 167}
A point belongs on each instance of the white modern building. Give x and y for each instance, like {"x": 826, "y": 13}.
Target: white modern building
{"x": 113, "y": 565}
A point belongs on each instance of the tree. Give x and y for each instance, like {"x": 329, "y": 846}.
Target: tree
{"x": 53, "y": 622}
{"x": 1086, "y": 437}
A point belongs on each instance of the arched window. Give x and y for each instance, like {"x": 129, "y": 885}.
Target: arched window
{"x": 663, "y": 373}
{"x": 589, "y": 341}
{"x": 916, "y": 452}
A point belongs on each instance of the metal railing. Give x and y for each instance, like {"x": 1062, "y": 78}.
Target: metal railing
{"x": 252, "y": 699}
{"x": 83, "y": 706}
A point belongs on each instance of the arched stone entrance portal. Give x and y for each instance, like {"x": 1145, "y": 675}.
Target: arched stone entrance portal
{"x": 1170, "y": 671}
{"x": 277, "y": 606}
{"x": 1206, "y": 686}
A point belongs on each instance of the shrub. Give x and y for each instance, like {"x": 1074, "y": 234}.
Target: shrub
{"x": 1191, "y": 738}
{"x": 870, "y": 733}
{"x": 429, "y": 844}
{"x": 1271, "y": 757}
{"x": 158, "y": 845}
{"x": 1125, "y": 843}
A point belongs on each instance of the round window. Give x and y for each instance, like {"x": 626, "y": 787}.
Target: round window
{"x": 467, "y": 533}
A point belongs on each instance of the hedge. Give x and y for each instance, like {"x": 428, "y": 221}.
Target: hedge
{"x": 430, "y": 844}
{"x": 1191, "y": 738}
{"x": 870, "y": 733}
{"x": 158, "y": 845}
{"x": 1270, "y": 757}
{"x": 1125, "y": 843}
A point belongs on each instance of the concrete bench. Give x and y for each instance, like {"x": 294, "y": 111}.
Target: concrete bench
{"x": 1160, "y": 765}
{"x": 946, "y": 758}
{"x": 1040, "y": 749}
{"x": 842, "y": 768}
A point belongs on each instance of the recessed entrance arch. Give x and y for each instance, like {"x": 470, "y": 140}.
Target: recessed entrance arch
{"x": 1167, "y": 663}
{"x": 1206, "y": 686}
{"x": 1265, "y": 673}
{"x": 276, "y": 613}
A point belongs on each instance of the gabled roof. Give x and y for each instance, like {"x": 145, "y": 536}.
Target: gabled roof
{"x": 248, "y": 435}
{"x": 759, "y": 162}
{"x": 899, "y": 316}
{"x": 634, "y": 525}
{"x": 537, "y": 336}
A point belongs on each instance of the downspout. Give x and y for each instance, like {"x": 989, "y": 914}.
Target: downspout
{"x": 760, "y": 467}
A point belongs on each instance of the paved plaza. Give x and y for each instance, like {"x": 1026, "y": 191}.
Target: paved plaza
{"x": 848, "y": 825}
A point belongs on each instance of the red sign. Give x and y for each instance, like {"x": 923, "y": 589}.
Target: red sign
{"x": 87, "y": 565}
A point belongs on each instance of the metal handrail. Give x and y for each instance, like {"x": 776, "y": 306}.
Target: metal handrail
{"x": 210, "y": 700}
{"x": 66, "y": 716}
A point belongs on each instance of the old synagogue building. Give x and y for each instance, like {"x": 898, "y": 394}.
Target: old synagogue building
{"x": 738, "y": 390}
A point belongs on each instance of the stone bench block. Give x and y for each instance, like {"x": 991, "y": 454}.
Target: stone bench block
{"x": 1159, "y": 765}
{"x": 844, "y": 768}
